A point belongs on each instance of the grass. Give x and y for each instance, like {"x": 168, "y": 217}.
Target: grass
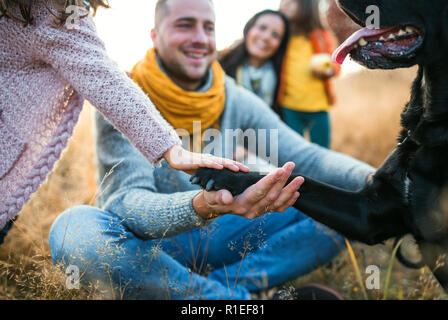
{"x": 365, "y": 125}
{"x": 354, "y": 262}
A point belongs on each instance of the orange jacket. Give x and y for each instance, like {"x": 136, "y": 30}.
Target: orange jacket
{"x": 323, "y": 42}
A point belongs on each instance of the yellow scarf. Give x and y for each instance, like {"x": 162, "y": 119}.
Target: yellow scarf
{"x": 180, "y": 107}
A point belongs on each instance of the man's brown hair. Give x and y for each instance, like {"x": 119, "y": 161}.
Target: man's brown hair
{"x": 162, "y": 10}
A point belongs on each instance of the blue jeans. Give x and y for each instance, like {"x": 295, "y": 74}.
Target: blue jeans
{"x": 316, "y": 123}
{"x": 227, "y": 259}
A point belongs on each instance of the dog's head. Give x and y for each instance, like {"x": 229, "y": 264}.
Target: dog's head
{"x": 396, "y": 33}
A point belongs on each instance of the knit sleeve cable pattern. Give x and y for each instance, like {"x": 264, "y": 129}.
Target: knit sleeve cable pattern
{"x": 79, "y": 56}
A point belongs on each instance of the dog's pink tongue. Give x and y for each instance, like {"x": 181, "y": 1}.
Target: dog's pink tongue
{"x": 344, "y": 49}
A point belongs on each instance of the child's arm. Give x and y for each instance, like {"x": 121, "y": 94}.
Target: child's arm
{"x": 79, "y": 56}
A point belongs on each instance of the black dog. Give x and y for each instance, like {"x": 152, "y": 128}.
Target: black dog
{"x": 408, "y": 194}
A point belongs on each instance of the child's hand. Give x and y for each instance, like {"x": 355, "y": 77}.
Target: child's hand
{"x": 322, "y": 66}
{"x": 189, "y": 162}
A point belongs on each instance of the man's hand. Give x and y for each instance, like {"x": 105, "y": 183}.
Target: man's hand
{"x": 267, "y": 195}
{"x": 189, "y": 162}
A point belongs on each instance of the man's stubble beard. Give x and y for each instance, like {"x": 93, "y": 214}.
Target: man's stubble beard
{"x": 179, "y": 71}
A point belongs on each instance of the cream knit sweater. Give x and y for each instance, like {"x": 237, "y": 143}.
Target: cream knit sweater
{"x": 46, "y": 72}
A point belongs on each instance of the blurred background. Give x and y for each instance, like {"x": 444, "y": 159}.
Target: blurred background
{"x": 126, "y": 31}
{"x": 365, "y": 125}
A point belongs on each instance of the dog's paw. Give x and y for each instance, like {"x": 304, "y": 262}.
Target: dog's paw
{"x": 214, "y": 180}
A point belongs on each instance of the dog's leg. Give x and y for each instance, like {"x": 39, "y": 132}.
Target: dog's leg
{"x": 371, "y": 215}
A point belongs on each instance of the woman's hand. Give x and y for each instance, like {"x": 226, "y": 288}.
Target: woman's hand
{"x": 267, "y": 195}
{"x": 189, "y": 162}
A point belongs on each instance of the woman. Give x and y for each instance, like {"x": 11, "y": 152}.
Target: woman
{"x": 305, "y": 93}
{"x": 256, "y": 62}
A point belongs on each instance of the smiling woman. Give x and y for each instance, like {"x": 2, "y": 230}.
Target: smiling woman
{"x": 256, "y": 62}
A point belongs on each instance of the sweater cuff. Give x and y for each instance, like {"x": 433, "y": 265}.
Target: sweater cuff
{"x": 191, "y": 216}
{"x": 160, "y": 145}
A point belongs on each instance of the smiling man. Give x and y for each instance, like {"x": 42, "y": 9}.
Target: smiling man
{"x": 186, "y": 47}
{"x": 155, "y": 235}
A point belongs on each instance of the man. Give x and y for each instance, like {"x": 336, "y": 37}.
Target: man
{"x": 156, "y": 235}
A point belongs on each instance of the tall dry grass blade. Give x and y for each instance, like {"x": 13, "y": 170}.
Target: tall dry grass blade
{"x": 357, "y": 271}
{"x": 389, "y": 268}
{"x": 238, "y": 273}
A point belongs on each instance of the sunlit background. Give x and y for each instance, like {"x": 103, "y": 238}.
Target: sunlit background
{"x": 125, "y": 28}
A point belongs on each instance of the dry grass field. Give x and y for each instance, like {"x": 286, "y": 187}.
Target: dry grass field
{"x": 365, "y": 125}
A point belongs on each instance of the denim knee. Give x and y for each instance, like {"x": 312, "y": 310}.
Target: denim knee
{"x": 61, "y": 231}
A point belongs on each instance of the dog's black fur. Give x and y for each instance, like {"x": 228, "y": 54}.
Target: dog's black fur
{"x": 409, "y": 192}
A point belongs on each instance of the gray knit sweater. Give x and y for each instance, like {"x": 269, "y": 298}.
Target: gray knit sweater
{"x": 156, "y": 202}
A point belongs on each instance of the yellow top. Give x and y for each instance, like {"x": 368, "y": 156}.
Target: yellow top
{"x": 303, "y": 91}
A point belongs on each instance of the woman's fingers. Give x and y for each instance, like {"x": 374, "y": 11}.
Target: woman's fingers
{"x": 241, "y": 166}
{"x": 181, "y": 159}
{"x": 224, "y": 163}
{"x": 210, "y": 161}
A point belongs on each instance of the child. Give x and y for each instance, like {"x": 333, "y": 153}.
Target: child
{"x": 305, "y": 93}
{"x": 256, "y": 62}
{"x": 48, "y": 65}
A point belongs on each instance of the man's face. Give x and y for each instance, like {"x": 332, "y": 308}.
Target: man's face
{"x": 185, "y": 41}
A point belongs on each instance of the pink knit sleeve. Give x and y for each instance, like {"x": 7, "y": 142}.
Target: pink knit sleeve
{"x": 79, "y": 56}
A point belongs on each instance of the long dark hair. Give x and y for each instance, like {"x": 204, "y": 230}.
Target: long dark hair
{"x": 231, "y": 59}
{"x": 61, "y": 16}
{"x": 308, "y": 18}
